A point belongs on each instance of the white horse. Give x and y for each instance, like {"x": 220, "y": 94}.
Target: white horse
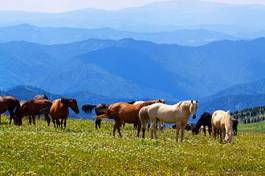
{"x": 178, "y": 114}
{"x": 222, "y": 123}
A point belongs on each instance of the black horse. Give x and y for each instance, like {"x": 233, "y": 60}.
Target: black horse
{"x": 100, "y": 109}
{"x": 204, "y": 121}
{"x": 12, "y": 105}
{"x": 235, "y": 124}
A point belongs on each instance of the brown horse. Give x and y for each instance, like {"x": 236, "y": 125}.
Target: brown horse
{"x": 60, "y": 110}
{"x": 41, "y": 97}
{"x": 127, "y": 113}
{"x": 34, "y": 107}
{"x": 10, "y": 104}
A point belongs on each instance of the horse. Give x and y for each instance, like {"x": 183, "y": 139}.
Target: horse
{"x": 60, "y": 110}
{"x": 222, "y": 123}
{"x": 177, "y": 113}
{"x": 34, "y": 107}
{"x": 204, "y": 121}
{"x": 235, "y": 124}
{"x": 12, "y": 105}
{"x": 127, "y": 113}
{"x": 100, "y": 109}
{"x": 41, "y": 97}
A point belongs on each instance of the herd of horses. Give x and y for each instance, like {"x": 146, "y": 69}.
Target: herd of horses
{"x": 144, "y": 115}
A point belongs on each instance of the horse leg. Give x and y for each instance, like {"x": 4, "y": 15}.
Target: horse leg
{"x": 96, "y": 124}
{"x": 30, "y": 119}
{"x": 114, "y": 128}
{"x": 119, "y": 129}
{"x": 99, "y": 123}
{"x": 177, "y": 131}
{"x": 47, "y": 117}
{"x": 33, "y": 118}
{"x": 182, "y": 129}
{"x": 139, "y": 129}
{"x": 64, "y": 123}
{"x": 62, "y": 120}
{"x": 214, "y": 132}
{"x": 11, "y": 113}
{"x": 143, "y": 127}
{"x": 209, "y": 130}
{"x": 204, "y": 130}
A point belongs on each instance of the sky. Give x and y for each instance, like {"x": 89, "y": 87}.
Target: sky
{"x": 68, "y": 5}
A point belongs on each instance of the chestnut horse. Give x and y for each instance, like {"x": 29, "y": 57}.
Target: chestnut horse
{"x": 127, "y": 113}
{"x": 12, "y": 105}
{"x": 60, "y": 110}
{"x": 204, "y": 121}
{"x": 100, "y": 109}
{"x": 34, "y": 107}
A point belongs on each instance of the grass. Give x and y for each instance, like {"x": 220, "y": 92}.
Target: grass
{"x": 82, "y": 150}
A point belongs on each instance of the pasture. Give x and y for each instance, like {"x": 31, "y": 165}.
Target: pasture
{"x": 81, "y": 150}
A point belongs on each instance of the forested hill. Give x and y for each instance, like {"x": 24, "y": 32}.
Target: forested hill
{"x": 250, "y": 115}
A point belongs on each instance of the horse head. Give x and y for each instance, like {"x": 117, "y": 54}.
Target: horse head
{"x": 73, "y": 105}
{"x": 193, "y": 107}
{"x": 161, "y": 101}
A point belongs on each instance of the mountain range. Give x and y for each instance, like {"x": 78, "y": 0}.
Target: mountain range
{"x": 132, "y": 69}
{"x": 60, "y": 35}
{"x": 155, "y": 17}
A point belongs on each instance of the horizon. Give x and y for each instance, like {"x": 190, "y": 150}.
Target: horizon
{"x": 113, "y": 5}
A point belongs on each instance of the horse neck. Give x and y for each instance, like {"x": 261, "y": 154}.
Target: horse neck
{"x": 185, "y": 108}
{"x": 146, "y": 103}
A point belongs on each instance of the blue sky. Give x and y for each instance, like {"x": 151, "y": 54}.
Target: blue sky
{"x": 67, "y": 5}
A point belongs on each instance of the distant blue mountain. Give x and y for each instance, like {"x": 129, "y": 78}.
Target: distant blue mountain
{"x": 51, "y": 35}
{"x": 158, "y": 16}
{"x": 131, "y": 69}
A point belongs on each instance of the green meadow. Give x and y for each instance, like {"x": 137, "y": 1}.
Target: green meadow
{"x": 81, "y": 150}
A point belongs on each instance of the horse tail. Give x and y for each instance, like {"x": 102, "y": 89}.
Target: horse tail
{"x": 100, "y": 117}
{"x": 17, "y": 111}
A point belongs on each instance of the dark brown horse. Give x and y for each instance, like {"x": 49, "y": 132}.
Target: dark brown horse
{"x": 12, "y": 105}
{"x": 100, "y": 109}
{"x": 127, "y": 113}
{"x": 34, "y": 107}
{"x": 42, "y": 97}
{"x": 60, "y": 110}
{"x": 204, "y": 121}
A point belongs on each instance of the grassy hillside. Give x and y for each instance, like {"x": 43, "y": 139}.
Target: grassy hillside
{"x": 82, "y": 150}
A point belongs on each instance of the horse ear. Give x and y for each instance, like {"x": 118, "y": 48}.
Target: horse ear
{"x": 191, "y": 101}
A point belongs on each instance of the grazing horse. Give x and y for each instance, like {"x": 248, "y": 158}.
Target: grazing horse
{"x": 235, "y": 124}
{"x": 204, "y": 121}
{"x": 42, "y": 97}
{"x": 222, "y": 124}
{"x": 100, "y": 109}
{"x": 12, "y": 105}
{"x": 178, "y": 114}
{"x": 60, "y": 110}
{"x": 34, "y": 107}
{"x": 127, "y": 113}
